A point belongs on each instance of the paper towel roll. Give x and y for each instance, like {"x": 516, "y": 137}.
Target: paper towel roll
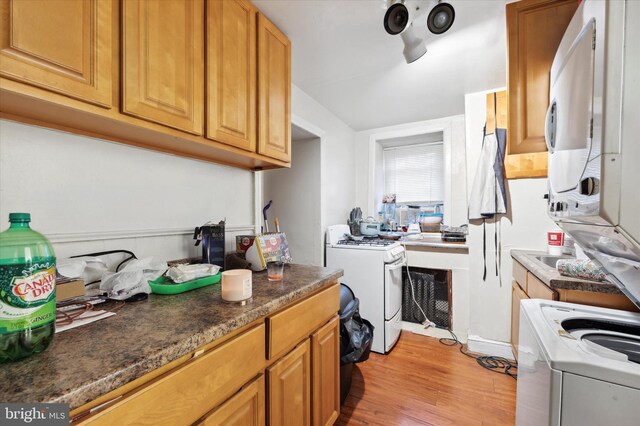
{"x": 580, "y": 268}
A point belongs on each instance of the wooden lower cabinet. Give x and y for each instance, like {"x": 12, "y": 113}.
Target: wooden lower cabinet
{"x": 246, "y": 408}
{"x": 289, "y": 382}
{"x": 325, "y": 360}
{"x": 517, "y": 294}
{"x": 236, "y": 382}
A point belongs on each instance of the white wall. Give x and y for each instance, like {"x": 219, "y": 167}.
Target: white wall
{"x": 296, "y": 196}
{"x": 524, "y": 227}
{"x": 338, "y": 153}
{"x": 481, "y": 309}
{"x": 368, "y": 176}
{"x": 88, "y": 195}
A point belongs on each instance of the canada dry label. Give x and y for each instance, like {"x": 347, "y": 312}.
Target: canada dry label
{"x": 27, "y": 296}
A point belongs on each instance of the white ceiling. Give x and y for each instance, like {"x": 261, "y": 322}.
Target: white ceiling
{"x": 343, "y": 58}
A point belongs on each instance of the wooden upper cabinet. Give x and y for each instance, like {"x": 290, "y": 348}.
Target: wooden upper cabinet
{"x": 534, "y": 31}
{"x": 59, "y": 45}
{"x": 231, "y": 73}
{"x": 325, "y": 356}
{"x": 274, "y": 91}
{"x": 289, "y": 383}
{"x": 163, "y": 62}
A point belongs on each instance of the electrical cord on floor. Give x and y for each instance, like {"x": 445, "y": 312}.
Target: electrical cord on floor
{"x": 497, "y": 364}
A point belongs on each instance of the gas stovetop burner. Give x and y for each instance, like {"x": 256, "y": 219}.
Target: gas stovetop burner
{"x": 371, "y": 242}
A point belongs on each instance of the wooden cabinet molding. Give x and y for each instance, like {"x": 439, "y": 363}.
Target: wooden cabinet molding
{"x": 61, "y": 46}
{"x": 232, "y": 73}
{"x": 534, "y": 31}
{"x": 274, "y": 91}
{"x": 163, "y": 62}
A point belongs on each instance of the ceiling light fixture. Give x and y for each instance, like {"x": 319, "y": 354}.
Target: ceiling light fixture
{"x": 407, "y": 18}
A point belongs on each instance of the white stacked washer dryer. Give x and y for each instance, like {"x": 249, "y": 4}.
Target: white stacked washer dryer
{"x": 373, "y": 270}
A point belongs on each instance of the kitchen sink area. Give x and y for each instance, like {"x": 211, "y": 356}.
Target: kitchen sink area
{"x": 551, "y": 260}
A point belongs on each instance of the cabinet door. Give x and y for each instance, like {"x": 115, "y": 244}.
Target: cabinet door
{"x": 534, "y": 31}
{"x": 231, "y": 73}
{"x": 325, "y": 360}
{"x": 163, "y": 62}
{"x": 246, "y": 408}
{"x": 274, "y": 91}
{"x": 289, "y": 388}
{"x": 59, "y": 45}
{"x": 517, "y": 294}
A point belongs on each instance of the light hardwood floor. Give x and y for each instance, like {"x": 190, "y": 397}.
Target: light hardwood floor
{"x": 422, "y": 382}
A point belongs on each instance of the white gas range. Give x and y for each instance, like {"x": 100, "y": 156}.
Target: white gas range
{"x": 373, "y": 270}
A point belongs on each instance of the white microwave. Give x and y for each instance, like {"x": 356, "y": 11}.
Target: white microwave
{"x": 592, "y": 132}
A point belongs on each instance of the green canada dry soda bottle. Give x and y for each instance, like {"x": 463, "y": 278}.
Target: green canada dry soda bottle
{"x": 27, "y": 290}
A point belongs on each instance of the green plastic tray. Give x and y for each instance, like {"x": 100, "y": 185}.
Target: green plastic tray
{"x": 164, "y": 285}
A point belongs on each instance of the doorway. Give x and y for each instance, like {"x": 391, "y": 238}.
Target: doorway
{"x": 296, "y": 194}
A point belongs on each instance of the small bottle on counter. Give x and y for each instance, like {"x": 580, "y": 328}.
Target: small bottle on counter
{"x": 27, "y": 290}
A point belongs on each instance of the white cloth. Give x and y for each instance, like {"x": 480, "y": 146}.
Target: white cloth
{"x": 486, "y": 197}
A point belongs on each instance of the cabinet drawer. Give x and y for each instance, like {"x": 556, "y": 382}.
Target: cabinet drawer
{"x": 536, "y": 289}
{"x": 184, "y": 395}
{"x": 246, "y": 408}
{"x": 291, "y": 326}
{"x": 520, "y": 275}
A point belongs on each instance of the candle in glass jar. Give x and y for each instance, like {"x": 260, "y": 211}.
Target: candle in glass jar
{"x": 236, "y": 285}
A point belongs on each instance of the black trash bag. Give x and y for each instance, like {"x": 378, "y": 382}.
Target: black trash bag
{"x": 356, "y": 333}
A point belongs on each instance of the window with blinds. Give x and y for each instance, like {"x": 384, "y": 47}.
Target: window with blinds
{"x": 415, "y": 173}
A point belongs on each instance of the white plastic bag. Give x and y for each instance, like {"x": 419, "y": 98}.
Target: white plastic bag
{"x": 183, "y": 273}
{"x": 88, "y": 268}
{"x": 133, "y": 279}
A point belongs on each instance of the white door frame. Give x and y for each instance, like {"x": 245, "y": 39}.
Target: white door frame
{"x": 259, "y": 183}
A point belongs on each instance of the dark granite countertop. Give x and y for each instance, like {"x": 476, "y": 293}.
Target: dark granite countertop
{"x": 551, "y": 277}
{"x": 89, "y": 361}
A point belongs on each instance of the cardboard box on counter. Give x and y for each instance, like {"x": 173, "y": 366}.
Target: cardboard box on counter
{"x": 69, "y": 290}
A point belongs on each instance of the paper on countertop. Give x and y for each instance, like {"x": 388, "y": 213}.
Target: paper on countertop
{"x": 82, "y": 320}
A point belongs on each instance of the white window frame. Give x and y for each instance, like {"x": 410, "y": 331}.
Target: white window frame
{"x": 453, "y": 131}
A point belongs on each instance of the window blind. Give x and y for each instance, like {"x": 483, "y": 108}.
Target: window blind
{"x": 415, "y": 173}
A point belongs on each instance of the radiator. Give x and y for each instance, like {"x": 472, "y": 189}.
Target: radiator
{"x": 432, "y": 292}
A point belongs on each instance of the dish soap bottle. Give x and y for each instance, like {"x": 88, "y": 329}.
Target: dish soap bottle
{"x": 27, "y": 290}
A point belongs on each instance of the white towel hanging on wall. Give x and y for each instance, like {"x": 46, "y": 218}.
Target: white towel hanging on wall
{"x": 486, "y": 197}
